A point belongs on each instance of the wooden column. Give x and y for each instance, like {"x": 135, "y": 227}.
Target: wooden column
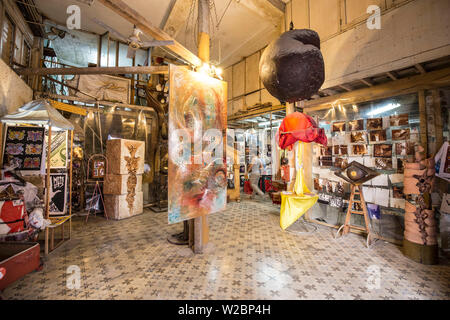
{"x": 290, "y": 108}
{"x": 438, "y": 118}
{"x": 423, "y": 122}
{"x": 71, "y": 183}
{"x": 47, "y": 187}
{"x": 200, "y": 225}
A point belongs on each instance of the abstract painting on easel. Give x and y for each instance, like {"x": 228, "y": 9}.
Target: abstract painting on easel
{"x": 197, "y": 140}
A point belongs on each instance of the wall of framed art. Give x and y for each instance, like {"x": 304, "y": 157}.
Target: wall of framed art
{"x": 378, "y": 134}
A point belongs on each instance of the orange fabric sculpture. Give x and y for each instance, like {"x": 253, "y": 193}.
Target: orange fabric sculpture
{"x": 299, "y": 127}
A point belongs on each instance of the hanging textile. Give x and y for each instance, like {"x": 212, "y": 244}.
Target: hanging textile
{"x": 299, "y": 127}
{"x": 295, "y": 205}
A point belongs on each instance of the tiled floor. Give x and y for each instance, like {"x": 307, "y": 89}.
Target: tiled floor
{"x": 249, "y": 257}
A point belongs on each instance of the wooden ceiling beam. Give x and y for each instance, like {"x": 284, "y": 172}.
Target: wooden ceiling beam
{"x": 132, "y": 16}
{"x": 420, "y": 68}
{"x": 367, "y": 83}
{"x": 94, "y": 70}
{"x": 391, "y": 75}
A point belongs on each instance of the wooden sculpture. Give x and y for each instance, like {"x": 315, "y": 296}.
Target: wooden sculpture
{"x": 420, "y": 239}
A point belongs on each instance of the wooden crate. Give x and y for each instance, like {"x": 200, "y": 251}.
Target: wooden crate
{"x": 117, "y": 206}
{"x": 118, "y": 184}
{"x": 19, "y": 259}
{"x": 118, "y": 149}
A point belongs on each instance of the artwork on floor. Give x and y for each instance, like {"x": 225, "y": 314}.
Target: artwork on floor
{"x": 375, "y": 124}
{"x": 197, "y": 134}
{"x": 23, "y": 147}
{"x": 356, "y": 125}
{"x": 377, "y": 136}
{"x": 401, "y": 134}
{"x": 339, "y": 127}
{"x": 399, "y": 120}
{"x": 382, "y": 150}
{"x": 58, "y": 149}
{"x": 58, "y": 194}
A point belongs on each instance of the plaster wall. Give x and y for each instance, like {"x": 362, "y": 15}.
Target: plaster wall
{"x": 14, "y": 92}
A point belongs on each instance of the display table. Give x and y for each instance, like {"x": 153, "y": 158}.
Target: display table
{"x": 294, "y": 206}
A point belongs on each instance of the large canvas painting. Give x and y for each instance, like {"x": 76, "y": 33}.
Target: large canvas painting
{"x": 197, "y": 134}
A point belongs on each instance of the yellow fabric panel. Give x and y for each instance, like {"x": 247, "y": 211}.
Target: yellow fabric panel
{"x": 295, "y": 205}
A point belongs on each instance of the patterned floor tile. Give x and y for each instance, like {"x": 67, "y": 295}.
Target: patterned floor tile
{"x": 248, "y": 257}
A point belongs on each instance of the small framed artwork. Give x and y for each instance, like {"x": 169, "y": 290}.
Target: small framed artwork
{"x": 98, "y": 171}
{"x": 382, "y": 150}
{"x": 404, "y": 148}
{"x": 58, "y": 194}
{"x": 336, "y": 150}
{"x": 375, "y": 124}
{"x": 401, "y": 134}
{"x": 377, "y": 136}
{"x": 317, "y": 184}
{"x": 383, "y": 163}
{"x": 359, "y": 149}
{"x": 399, "y": 120}
{"x": 358, "y": 137}
{"x": 340, "y": 163}
{"x": 340, "y": 150}
{"x": 329, "y": 186}
{"x": 339, "y": 127}
{"x": 339, "y": 188}
{"x": 400, "y": 165}
{"x": 397, "y": 192}
{"x": 325, "y": 161}
{"x": 326, "y": 151}
{"x": 356, "y": 125}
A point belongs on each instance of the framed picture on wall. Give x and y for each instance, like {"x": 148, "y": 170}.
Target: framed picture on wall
{"x": 375, "y": 124}
{"x": 404, "y": 148}
{"x": 359, "y": 149}
{"x": 356, "y": 125}
{"x": 383, "y": 163}
{"x": 58, "y": 149}
{"x": 23, "y": 147}
{"x": 58, "y": 194}
{"x": 401, "y": 134}
{"x": 382, "y": 150}
{"x": 399, "y": 120}
{"x": 377, "y": 136}
{"x": 339, "y": 126}
{"x": 358, "y": 137}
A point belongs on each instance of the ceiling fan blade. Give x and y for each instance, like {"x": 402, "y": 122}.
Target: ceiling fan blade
{"x": 131, "y": 54}
{"x": 110, "y": 29}
{"x": 157, "y": 43}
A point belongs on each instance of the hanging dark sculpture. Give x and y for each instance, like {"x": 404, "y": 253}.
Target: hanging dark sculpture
{"x": 292, "y": 67}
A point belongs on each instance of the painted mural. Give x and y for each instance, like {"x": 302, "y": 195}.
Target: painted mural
{"x": 197, "y": 140}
